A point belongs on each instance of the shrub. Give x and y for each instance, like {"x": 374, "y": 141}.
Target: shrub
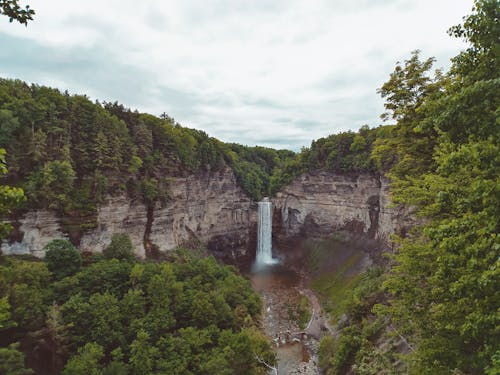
{"x": 62, "y": 258}
{"x": 120, "y": 248}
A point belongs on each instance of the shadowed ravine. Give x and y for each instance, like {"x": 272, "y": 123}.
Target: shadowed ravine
{"x": 293, "y": 319}
{"x": 281, "y": 290}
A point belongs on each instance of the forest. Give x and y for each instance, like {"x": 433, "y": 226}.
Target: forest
{"x": 439, "y": 288}
{"x": 110, "y": 314}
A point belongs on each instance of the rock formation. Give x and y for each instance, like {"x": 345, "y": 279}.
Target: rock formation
{"x": 211, "y": 209}
{"x": 318, "y": 204}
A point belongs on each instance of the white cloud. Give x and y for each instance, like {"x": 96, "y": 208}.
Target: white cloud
{"x": 232, "y": 67}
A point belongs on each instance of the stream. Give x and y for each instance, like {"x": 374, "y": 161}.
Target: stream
{"x": 281, "y": 290}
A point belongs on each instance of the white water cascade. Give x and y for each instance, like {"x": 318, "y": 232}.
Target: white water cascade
{"x": 264, "y": 233}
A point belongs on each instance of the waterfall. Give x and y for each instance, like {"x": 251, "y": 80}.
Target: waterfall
{"x": 264, "y": 235}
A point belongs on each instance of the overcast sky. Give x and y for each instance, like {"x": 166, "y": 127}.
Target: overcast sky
{"x": 271, "y": 72}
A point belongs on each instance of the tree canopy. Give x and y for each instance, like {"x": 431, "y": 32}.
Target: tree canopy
{"x": 127, "y": 317}
{"x": 442, "y": 289}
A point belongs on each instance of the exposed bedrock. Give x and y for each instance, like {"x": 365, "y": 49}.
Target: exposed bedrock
{"x": 212, "y": 210}
{"x": 322, "y": 203}
{"x": 209, "y": 209}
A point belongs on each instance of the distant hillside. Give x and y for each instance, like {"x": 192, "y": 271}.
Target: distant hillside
{"x": 69, "y": 153}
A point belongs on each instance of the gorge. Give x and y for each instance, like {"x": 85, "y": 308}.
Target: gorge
{"x": 212, "y": 209}
{"x": 127, "y": 239}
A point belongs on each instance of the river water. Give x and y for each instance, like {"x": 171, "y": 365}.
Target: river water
{"x": 281, "y": 290}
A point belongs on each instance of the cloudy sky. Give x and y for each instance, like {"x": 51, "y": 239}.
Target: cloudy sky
{"x": 272, "y": 72}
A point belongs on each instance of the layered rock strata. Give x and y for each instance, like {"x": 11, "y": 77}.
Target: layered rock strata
{"x": 319, "y": 204}
{"x": 212, "y": 210}
{"x": 209, "y": 209}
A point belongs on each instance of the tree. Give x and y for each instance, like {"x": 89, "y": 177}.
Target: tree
{"x": 116, "y": 366}
{"x": 142, "y": 354}
{"x": 407, "y": 88}
{"x": 52, "y": 341}
{"x": 10, "y": 197}
{"x": 445, "y": 282}
{"x": 408, "y": 92}
{"x": 106, "y": 326}
{"x": 27, "y": 288}
{"x": 120, "y": 248}
{"x": 14, "y": 11}
{"x": 5, "y": 320}
{"x": 160, "y": 319}
{"x": 86, "y": 362}
{"x": 10, "y": 124}
{"x": 481, "y": 29}
{"x": 12, "y": 361}
{"x": 62, "y": 258}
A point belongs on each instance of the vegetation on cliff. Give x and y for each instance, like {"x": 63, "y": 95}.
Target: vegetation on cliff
{"x": 438, "y": 297}
{"x": 69, "y": 153}
{"x": 187, "y": 316}
{"x": 443, "y": 157}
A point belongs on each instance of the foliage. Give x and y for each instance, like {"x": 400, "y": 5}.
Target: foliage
{"x": 364, "y": 344}
{"x": 14, "y": 11}
{"x": 25, "y": 284}
{"x": 343, "y": 152}
{"x": 444, "y": 284}
{"x": 120, "y": 248}
{"x": 52, "y": 185}
{"x": 124, "y": 317}
{"x": 12, "y": 361}
{"x": 51, "y": 341}
{"x": 303, "y": 312}
{"x": 62, "y": 258}
{"x": 86, "y": 362}
{"x": 10, "y": 197}
{"x": 256, "y": 167}
{"x": 439, "y": 299}
{"x": 69, "y": 154}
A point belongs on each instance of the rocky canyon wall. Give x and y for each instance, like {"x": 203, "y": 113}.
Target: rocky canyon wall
{"x": 210, "y": 209}
{"x": 319, "y": 204}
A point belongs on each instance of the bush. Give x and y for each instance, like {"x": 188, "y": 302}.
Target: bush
{"x": 62, "y": 258}
{"x": 120, "y": 248}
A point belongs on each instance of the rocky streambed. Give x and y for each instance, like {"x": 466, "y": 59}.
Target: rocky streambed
{"x": 296, "y": 347}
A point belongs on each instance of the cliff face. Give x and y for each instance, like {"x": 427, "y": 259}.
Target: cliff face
{"x": 210, "y": 209}
{"x": 37, "y": 228}
{"x": 322, "y": 203}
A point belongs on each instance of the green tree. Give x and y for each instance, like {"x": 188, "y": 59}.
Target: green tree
{"x": 5, "y": 319}
{"x": 160, "y": 319}
{"x": 120, "y": 248}
{"x": 480, "y": 60}
{"x": 445, "y": 283}
{"x": 12, "y": 361}
{"x": 142, "y": 354}
{"x": 10, "y": 197}
{"x": 86, "y": 362}
{"x": 52, "y": 185}
{"x": 62, "y": 258}
{"x": 27, "y": 289}
{"x": 52, "y": 341}
{"x": 116, "y": 366}
{"x": 106, "y": 326}
{"x": 10, "y": 124}
{"x": 410, "y": 87}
